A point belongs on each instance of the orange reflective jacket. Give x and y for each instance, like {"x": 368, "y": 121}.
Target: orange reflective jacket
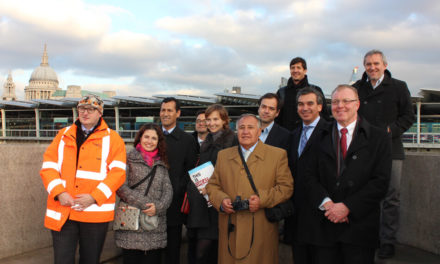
{"x": 100, "y": 171}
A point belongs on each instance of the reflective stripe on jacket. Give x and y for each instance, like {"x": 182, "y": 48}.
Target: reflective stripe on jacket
{"x": 100, "y": 171}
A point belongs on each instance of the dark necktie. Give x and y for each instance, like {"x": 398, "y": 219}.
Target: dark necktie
{"x": 344, "y": 141}
{"x": 166, "y": 133}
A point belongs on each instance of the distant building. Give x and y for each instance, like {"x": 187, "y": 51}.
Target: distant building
{"x": 283, "y": 82}
{"x": 43, "y": 84}
{"x": 9, "y": 89}
{"x": 354, "y": 75}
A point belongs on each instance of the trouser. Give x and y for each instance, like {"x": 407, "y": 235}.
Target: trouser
{"x": 174, "y": 239}
{"x": 91, "y": 237}
{"x": 302, "y": 253}
{"x": 342, "y": 253}
{"x": 132, "y": 256}
{"x": 390, "y": 206}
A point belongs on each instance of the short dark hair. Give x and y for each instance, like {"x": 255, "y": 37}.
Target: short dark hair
{"x": 270, "y": 96}
{"x": 299, "y": 60}
{"x": 171, "y": 99}
{"x": 199, "y": 112}
{"x": 309, "y": 90}
{"x": 161, "y": 144}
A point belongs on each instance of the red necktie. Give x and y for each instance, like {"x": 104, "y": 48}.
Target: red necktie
{"x": 344, "y": 141}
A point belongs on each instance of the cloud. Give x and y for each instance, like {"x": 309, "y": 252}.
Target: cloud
{"x": 203, "y": 47}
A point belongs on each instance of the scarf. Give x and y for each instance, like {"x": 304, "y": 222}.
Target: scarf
{"x": 148, "y": 156}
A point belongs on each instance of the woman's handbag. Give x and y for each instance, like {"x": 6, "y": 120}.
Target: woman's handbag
{"x": 279, "y": 211}
{"x": 147, "y": 222}
{"x": 126, "y": 217}
{"x": 131, "y": 218}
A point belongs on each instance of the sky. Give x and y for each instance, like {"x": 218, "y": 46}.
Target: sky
{"x": 202, "y": 47}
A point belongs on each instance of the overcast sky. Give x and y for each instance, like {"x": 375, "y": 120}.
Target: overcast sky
{"x": 201, "y": 47}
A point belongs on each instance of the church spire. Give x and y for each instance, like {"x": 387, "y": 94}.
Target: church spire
{"x": 9, "y": 89}
{"x": 45, "y": 59}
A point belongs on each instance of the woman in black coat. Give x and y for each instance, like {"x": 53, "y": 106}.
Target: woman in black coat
{"x": 202, "y": 221}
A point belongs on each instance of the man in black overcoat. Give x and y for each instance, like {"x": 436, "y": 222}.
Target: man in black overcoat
{"x": 182, "y": 157}
{"x": 288, "y": 117}
{"x": 309, "y": 105}
{"x": 272, "y": 133}
{"x": 346, "y": 179}
{"x": 386, "y": 103}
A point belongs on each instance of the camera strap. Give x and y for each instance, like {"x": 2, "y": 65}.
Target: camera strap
{"x": 249, "y": 175}
{"x": 230, "y": 225}
{"x": 231, "y": 229}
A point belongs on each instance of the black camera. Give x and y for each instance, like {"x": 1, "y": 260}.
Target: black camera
{"x": 240, "y": 205}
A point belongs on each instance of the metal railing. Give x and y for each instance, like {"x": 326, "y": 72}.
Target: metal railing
{"x": 427, "y": 140}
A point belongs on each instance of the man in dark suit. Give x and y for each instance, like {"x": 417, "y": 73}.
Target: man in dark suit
{"x": 346, "y": 179}
{"x": 182, "y": 157}
{"x": 386, "y": 103}
{"x": 309, "y": 106}
{"x": 272, "y": 134}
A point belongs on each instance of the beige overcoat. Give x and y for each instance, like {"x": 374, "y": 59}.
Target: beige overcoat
{"x": 270, "y": 171}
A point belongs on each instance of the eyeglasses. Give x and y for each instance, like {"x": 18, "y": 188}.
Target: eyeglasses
{"x": 201, "y": 121}
{"x": 90, "y": 110}
{"x": 343, "y": 101}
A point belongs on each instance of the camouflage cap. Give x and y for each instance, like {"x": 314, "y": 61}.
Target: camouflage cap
{"x": 92, "y": 100}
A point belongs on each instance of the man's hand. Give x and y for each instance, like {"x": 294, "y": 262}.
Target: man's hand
{"x": 203, "y": 191}
{"x": 83, "y": 201}
{"x": 151, "y": 209}
{"x": 337, "y": 213}
{"x": 65, "y": 199}
{"x": 227, "y": 206}
{"x": 254, "y": 203}
{"x": 328, "y": 205}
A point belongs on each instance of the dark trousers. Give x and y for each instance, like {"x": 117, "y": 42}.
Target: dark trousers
{"x": 302, "y": 253}
{"x": 91, "y": 237}
{"x": 201, "y": 251}
{"x": 391, "y": 205}
{"x": 132, "y": 256}
{"x": 342, "y": 253}
{"x": 174, "y": 239}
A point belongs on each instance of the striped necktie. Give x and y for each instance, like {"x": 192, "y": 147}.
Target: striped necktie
{"x": 303, "y": 140}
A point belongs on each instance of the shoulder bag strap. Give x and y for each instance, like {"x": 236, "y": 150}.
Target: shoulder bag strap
{"x": 144, "y": 179}
{"x": 152, "y": 178}
{"x": 247, "y": 171}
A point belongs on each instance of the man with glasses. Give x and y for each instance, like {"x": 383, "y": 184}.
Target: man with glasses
{"x": 201, "y": 129}
{"x": 386, "y": 103}
{"x": 82, "y": 169}
{"x": 346, "y": 179}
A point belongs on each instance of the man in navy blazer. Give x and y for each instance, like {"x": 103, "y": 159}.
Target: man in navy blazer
{"x": 272, "y": 134}
{"x": 309, "y": 106}
{"x": 346, "y": 178}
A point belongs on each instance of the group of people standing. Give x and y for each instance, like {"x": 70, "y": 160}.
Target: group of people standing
{"x": 342, "y": 176}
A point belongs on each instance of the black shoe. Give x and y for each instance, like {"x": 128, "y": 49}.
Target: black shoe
{"x": 386, "y": 251}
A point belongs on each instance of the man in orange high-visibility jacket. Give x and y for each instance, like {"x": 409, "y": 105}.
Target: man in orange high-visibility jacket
{"x": 82, "y": 169}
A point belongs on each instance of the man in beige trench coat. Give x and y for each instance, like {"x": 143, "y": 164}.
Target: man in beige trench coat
{"x": 253, "y": 239}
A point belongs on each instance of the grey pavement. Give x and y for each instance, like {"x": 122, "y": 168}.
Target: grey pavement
{"x": 404, "y": 255}
{"x": 112, "y": 255}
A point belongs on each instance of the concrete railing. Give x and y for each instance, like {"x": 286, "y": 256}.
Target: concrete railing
{"x": 23, "y": 200}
